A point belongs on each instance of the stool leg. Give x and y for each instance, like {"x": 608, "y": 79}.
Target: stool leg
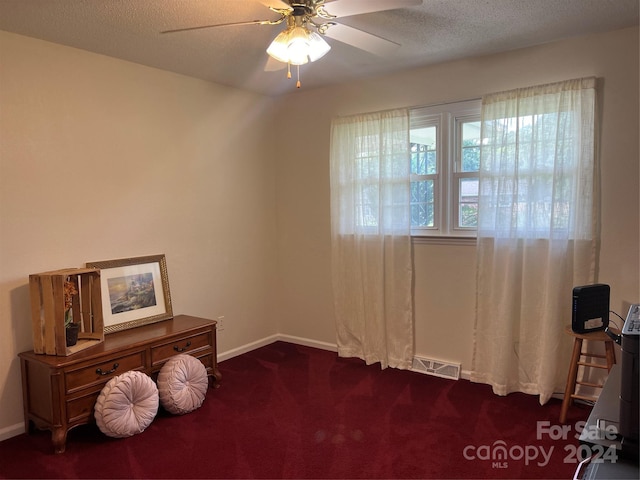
{"x": 610, "y": 354}
{"x": 571, "y": 379}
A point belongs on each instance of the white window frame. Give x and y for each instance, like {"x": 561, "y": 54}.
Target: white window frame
{"x": 448, "y": 119}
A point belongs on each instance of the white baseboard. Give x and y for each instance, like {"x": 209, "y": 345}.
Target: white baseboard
{"x": 332, "y": 347}
{"x": 11, "y": 431}
{"x": 272, "y": 339}
{"x": 234, "y": 352}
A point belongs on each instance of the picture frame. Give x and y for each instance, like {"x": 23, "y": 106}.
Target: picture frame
{"x": 135, "y": 291}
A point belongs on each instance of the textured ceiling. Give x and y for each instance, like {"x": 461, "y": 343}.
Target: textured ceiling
{"x": 436, "y": 31}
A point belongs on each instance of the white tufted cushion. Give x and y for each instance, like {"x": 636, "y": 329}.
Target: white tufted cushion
{"x": 127, "y": 405}
{"x": 182, "y": 384}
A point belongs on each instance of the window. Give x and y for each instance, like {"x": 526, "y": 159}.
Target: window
{"x": 370, "y": 178}
{"x": 532, "y": 183}
{"x": 445, "y": 159}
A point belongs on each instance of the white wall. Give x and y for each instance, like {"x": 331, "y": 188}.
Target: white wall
{"x": 103, "y": 159}
{"x": 445, "y": 274}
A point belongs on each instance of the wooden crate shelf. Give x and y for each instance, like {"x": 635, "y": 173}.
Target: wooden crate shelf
{"x": 48, "y": 310}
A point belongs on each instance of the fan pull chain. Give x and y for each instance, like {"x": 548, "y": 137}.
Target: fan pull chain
{"x": 289, "y": 74}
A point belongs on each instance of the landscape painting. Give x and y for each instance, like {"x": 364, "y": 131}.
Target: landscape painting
{"x": 131, "y": 292}
{"x": 135, "y": 292}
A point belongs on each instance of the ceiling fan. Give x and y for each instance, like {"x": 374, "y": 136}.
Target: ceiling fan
{"x": 307, "y": 21}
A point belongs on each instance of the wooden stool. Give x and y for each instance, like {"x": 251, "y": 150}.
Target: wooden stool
{"x": 610, "y": 355}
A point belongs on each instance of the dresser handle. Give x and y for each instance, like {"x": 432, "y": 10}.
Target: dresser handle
{"x": 178, "y": 349}
{"x": 100, "y": 372}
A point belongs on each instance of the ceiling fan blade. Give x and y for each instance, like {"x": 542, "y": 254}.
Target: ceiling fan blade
{"x": 232, "y": 24}
{"x": 362, "y": 40}
{"x": 345, "y": 8}
{"x": 280, "y": 4}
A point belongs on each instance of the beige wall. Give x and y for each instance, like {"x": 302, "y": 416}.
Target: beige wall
{"x": 445, "y": 274}
{"x": 103, "y": 159}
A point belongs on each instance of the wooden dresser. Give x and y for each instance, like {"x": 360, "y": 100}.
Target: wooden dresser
{"x": 59, "y": 393}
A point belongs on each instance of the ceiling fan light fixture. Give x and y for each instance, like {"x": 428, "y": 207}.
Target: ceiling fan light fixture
{"x": 298, "y": 45}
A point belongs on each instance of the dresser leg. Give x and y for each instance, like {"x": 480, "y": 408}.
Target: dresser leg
{"x": 59, "y": 439}
{"x": 215, "y": 378}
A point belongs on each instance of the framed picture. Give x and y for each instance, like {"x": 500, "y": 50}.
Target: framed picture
{"x": 135, "y": 292}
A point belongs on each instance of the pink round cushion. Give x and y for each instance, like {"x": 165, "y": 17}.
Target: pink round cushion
{"x": 182, "y": 384}
{"x": 126, "y": 405}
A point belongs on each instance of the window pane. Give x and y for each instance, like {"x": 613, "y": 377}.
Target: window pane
{"x": 468, "y": 214}
{"x": 422, "y": 203}
{"x": 423, "y": 151}
{"x": 422, "y": 191}
{"x": 470, "y": 148}
{"x": 421, "y": 215}
{"x": 367, "y": 206}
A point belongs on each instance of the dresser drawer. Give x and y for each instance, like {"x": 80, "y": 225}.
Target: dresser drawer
{"x": 188, "y": 344}
{"x": 101, "y": 372}
{"x": 207, "y": 361}
{"x": 81, "y": 409}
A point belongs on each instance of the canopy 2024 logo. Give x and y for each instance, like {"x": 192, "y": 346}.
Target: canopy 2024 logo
{"x": 499, "y": 453}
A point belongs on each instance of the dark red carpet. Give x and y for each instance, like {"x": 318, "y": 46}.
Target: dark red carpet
{"x": 288, "y": 411}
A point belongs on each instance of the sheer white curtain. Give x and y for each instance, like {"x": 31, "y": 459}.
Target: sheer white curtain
{"x": 371, "y": 244}
{"x": 537, "y": 232}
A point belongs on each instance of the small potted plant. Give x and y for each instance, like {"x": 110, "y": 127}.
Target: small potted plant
{"x": 71, "y": 329}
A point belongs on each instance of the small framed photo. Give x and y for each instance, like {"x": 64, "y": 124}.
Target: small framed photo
{"x": 135, "y": 292}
